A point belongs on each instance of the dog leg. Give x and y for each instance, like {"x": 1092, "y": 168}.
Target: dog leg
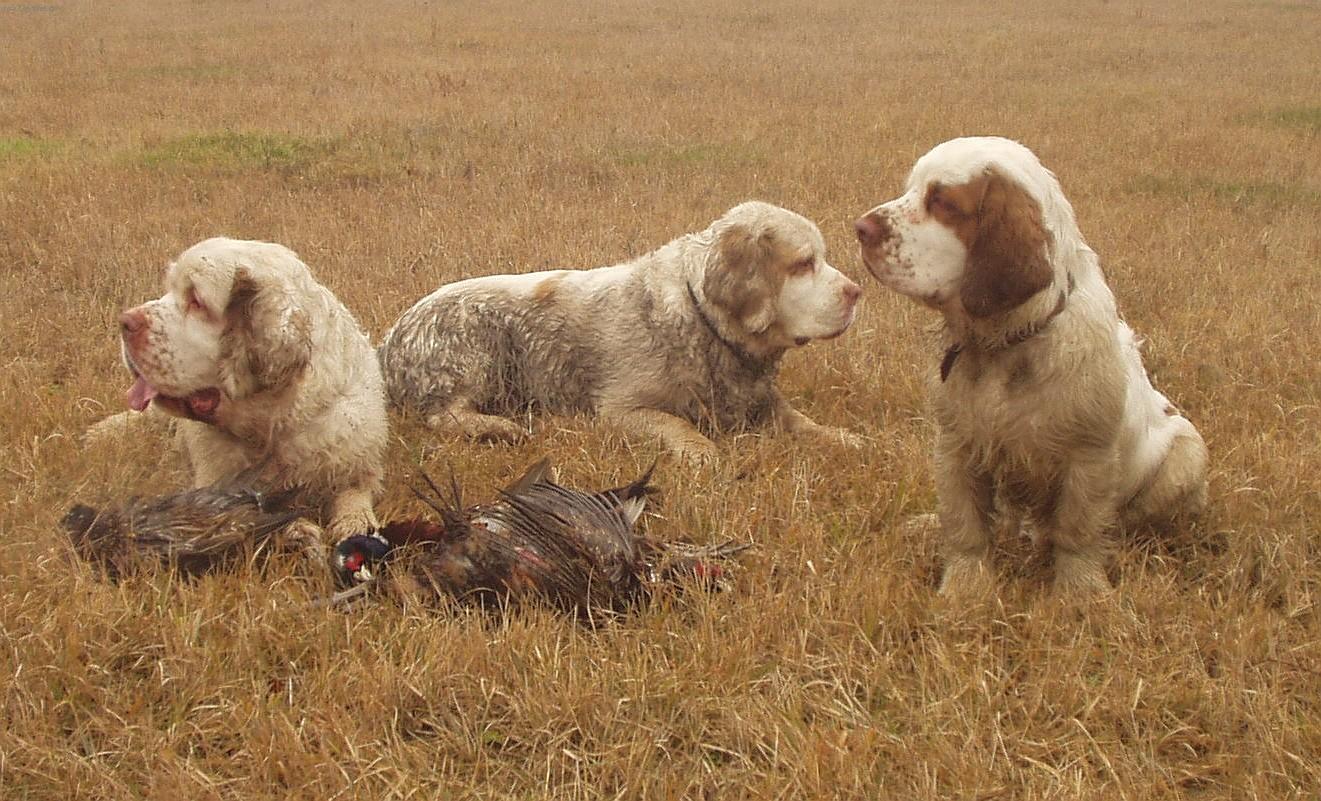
{"x": 1179, "y": 485}
{"x": 462, "y": 416}
{"x": 1079, "y": 531}
{"x": 785, "y": 416}
{"x": 125, "y": 425}
{"x": 351, "y": 513}
{"x": 212, "y": 456}
{"x": 966, "y": 498}
{"x": 676, "y": 434}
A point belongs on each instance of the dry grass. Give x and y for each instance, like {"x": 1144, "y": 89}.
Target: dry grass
{"x": 400, "y": 145}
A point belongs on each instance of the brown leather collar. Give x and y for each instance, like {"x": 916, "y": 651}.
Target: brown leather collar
{"x": 1017, "y": 338}
{"x": 752, "y": 364}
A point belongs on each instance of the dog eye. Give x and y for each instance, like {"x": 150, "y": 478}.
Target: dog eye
{"x": 802, "y": 267}
{"x": 938, "y": 202}
{"x": 195, "y": 303}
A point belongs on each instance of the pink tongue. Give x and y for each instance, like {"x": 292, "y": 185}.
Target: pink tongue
{"x": 140, "y": 394}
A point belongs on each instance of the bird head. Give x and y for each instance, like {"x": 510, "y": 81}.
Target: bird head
{"x": 359, "y": 559}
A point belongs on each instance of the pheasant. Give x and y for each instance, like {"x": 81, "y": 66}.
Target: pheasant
{"x": 577, "y": 551}
{"x": 193, "y": 531}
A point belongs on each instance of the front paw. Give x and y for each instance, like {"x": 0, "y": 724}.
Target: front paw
{"x": 350, "y": 523}
{"x": 498, "y": 429}
{"x": 1080, "y": 575}
{"x": 306, "y": 537}
{"x": 479, "y": 427}
{"x": 694, "y": 450}
{"x": 839, "y": 436}
{"x": 967, "y": 579}
{"x": 842, "y": 436}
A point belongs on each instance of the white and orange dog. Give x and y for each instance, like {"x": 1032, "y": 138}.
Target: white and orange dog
{"x": 1041, "y": 400}
{"x": 264, "y": 368}
{"x": 680, "y": 343}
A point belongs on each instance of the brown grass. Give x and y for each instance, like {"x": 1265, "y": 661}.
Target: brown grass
{"x": 398, "y": 145}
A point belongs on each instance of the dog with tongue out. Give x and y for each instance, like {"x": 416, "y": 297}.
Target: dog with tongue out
{"x": 265, "y": 367}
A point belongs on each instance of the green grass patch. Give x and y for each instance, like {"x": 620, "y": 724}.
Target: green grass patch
{"x": 1237, "y": 193}
{"x": 234, "y": 151}
{"x": 1299, "y": 118}
{"x": 1308, "y": 118}
{"x": 25, "y": 147}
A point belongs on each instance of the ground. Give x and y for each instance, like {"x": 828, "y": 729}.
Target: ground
{"x": 399, "y": 145}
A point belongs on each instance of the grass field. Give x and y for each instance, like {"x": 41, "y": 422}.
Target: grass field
{"x": 400, "y": 145}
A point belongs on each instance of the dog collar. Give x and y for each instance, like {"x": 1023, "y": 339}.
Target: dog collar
{"x": 1017, "y": 338}
{"x": 747, "y": 360}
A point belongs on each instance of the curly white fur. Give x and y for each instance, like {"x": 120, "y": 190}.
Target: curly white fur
{"x": 265, "y": 367}
{"x": 1041, "y": 400}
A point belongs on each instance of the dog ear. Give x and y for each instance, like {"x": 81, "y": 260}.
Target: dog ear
{"x": 738, "y": 276}
{"x": 267, "y": 339}
{"x": 1007, "y": 262}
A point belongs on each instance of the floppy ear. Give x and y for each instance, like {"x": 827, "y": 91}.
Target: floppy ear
{"x": 738, "y": 279}
{"x": 1007, "y": 263}
{"x": 267, "y": 339}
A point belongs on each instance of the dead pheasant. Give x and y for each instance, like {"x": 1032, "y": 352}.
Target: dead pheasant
{"x": 193, "y": 531}
{"x": 578, "y": 551}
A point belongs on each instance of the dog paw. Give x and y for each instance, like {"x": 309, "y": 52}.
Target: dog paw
{"x": 305, "y": 537}
{"x": 500, "y": 430}
{"x": 1080, "y": 576}
{"x": 967, "y": 579}
{"x": 482, "y": 428}
{"x": 694, "y": 450}
{"x": 349, "y": 523}
{"x": 844, "y": 437}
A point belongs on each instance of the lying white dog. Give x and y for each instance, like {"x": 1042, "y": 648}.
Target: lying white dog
{"x": 267, "y": 369}
{"x": 689, "y": 336}
{"x": 1040, "y": 393}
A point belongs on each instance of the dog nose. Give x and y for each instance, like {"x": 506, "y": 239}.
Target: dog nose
{"x": 852, "y": 292}
{"x": 868, "y": 228}
{"x": 132, "y": 321}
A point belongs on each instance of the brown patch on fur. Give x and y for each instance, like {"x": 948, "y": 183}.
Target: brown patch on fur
{"x": 1002, "y": 227}
{"x": 544, "y": 292}
{"x": 747, "y": 276}
{"x": 265, "y": 345}
{"x": 957, "y": 207}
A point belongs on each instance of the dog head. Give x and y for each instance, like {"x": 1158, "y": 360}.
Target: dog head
{"x": 976, "y": 228}
{"x": 767, "y": 274}
{"x": 232, "y": 324}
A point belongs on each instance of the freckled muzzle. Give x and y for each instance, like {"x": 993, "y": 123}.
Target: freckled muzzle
{"x": 876, "y": 241}
{"x": 872, "y": 229}
{"x": 202, "y": 405}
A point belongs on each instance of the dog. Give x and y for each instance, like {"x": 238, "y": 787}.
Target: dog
{"x": 680, "y": 343}
{"x": 1040, "y": 398}
{"x": 265, "y": 369}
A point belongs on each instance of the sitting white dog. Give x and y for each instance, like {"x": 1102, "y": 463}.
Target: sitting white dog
{"x": 1040, "y": 397}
